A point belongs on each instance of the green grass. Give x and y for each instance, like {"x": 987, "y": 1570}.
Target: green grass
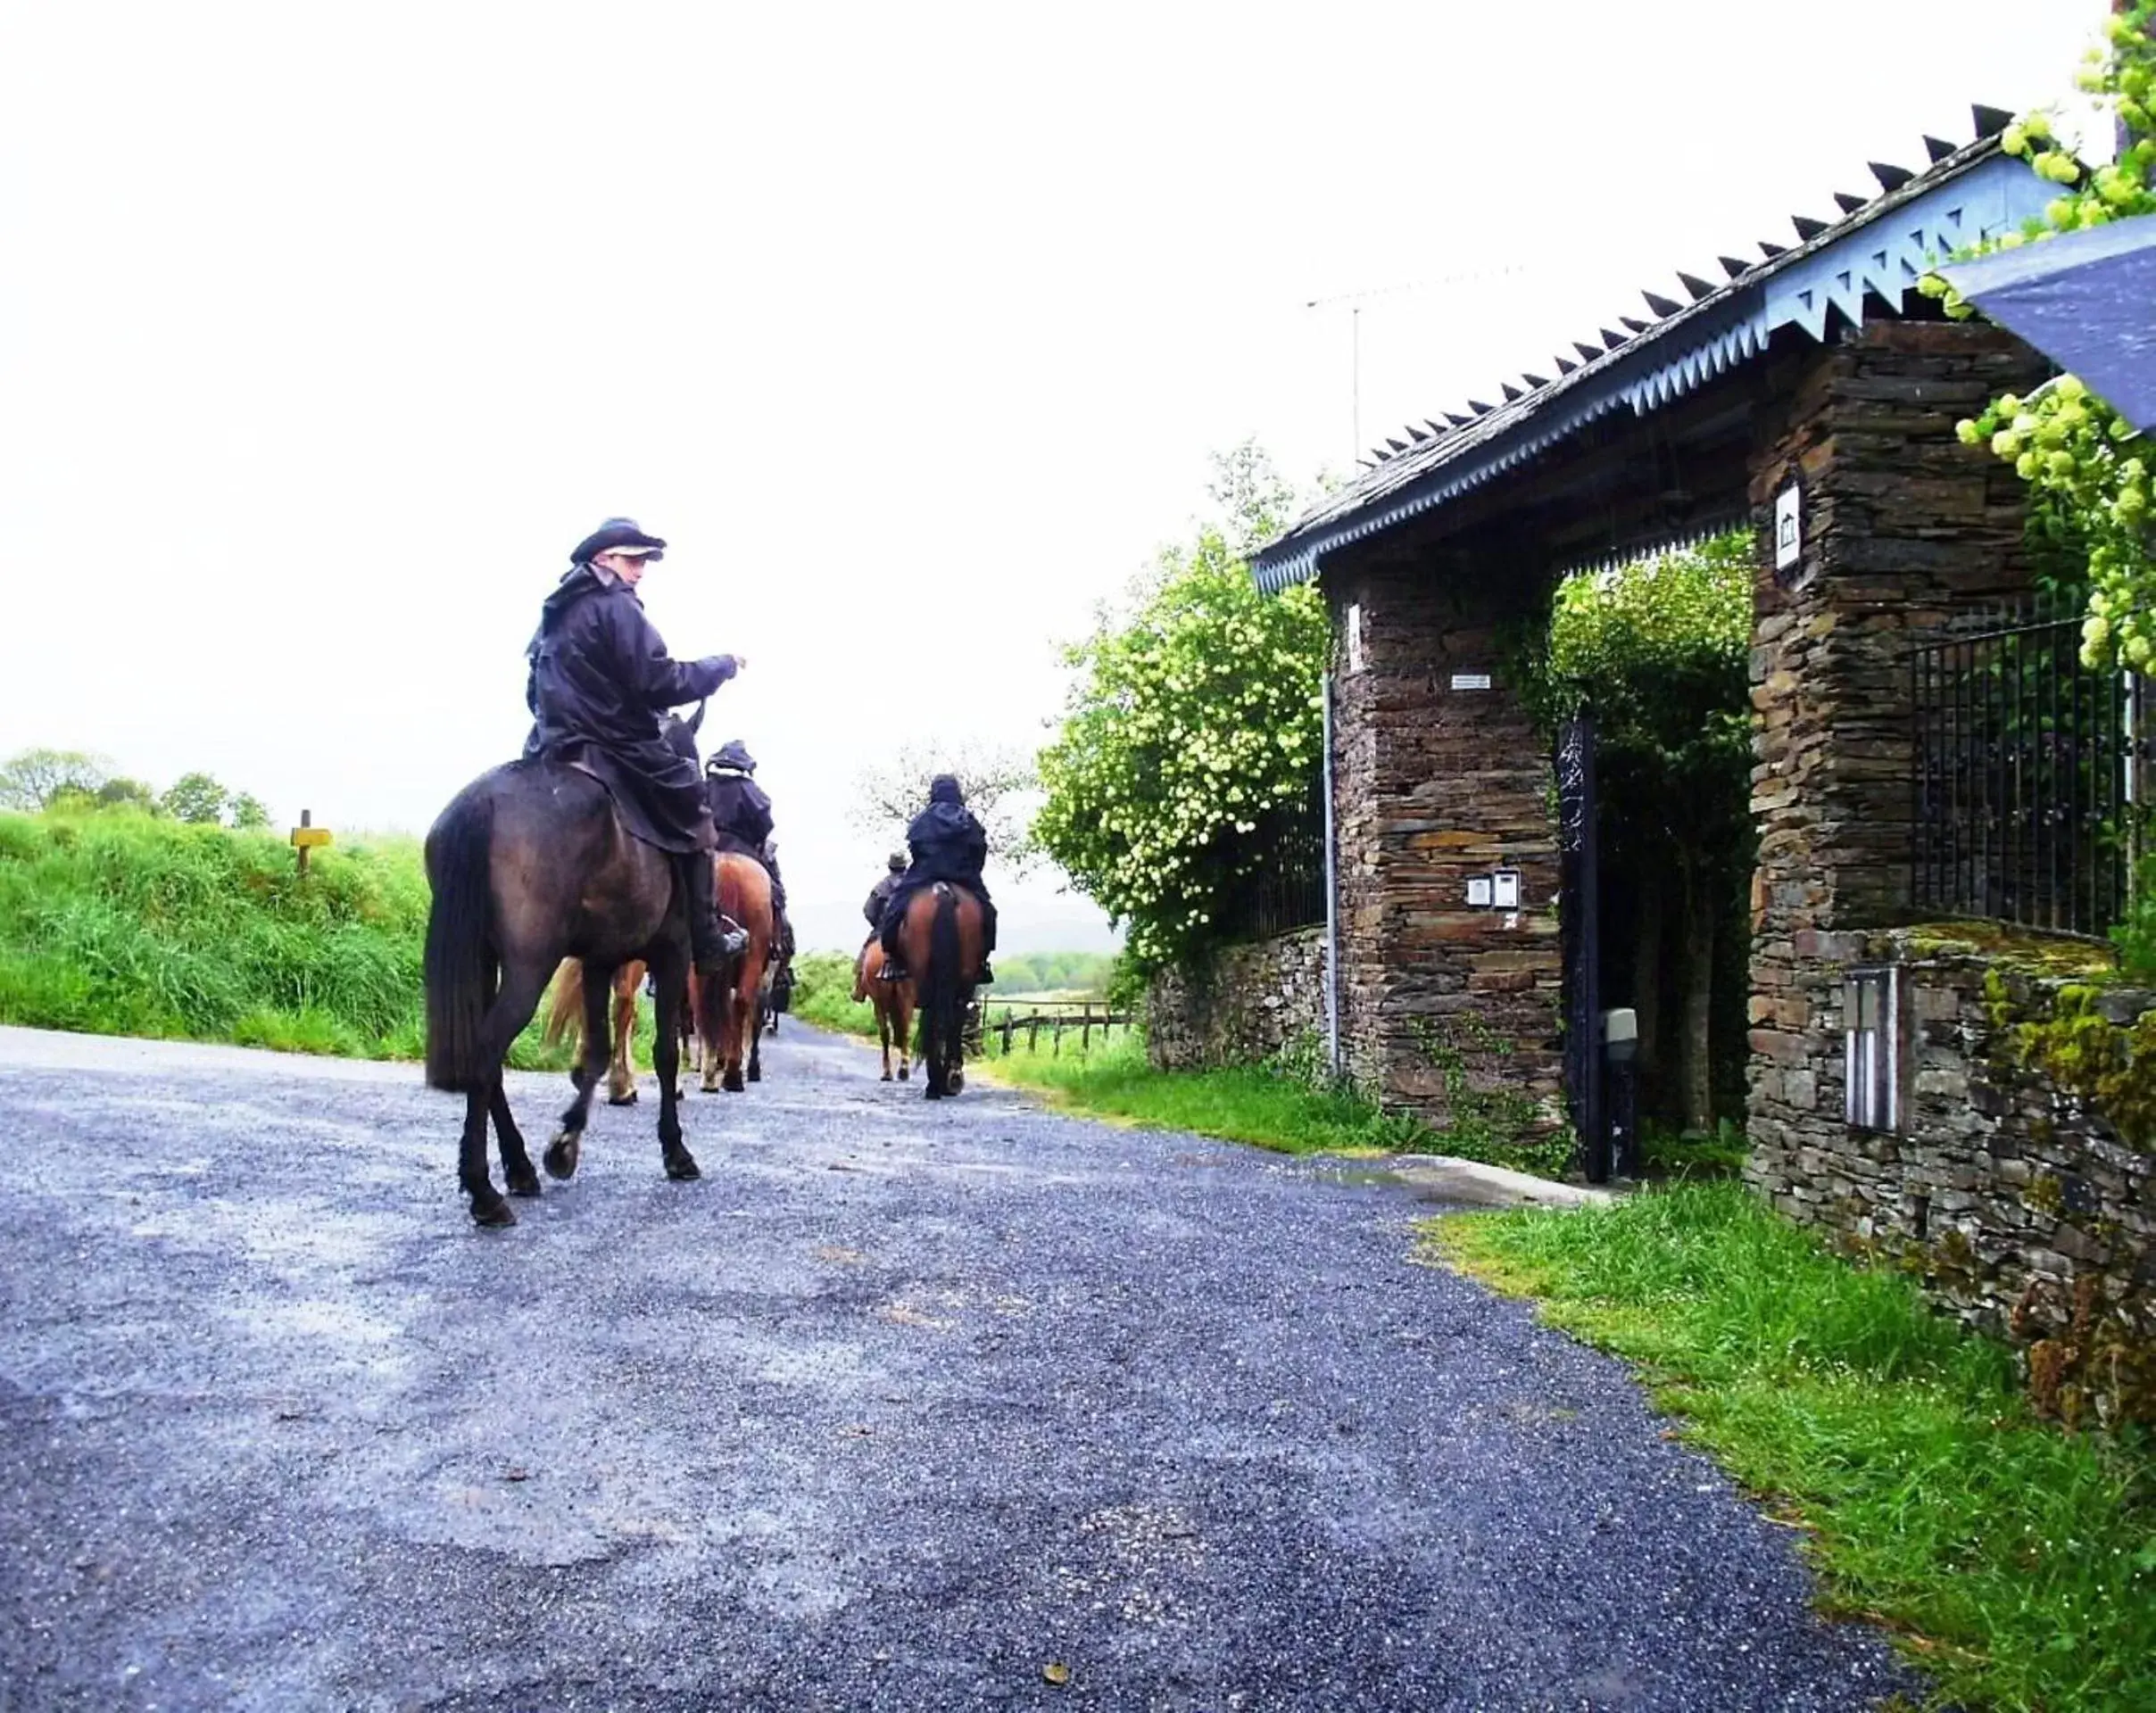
{"x": 1249, "y": 1103}
{"x": 2015, "y": 1562}
{"x": 116, "y": 923}
{"x": 823, "y": 994}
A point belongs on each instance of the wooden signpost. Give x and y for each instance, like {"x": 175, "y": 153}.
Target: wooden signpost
{"x": 307, "y": 837}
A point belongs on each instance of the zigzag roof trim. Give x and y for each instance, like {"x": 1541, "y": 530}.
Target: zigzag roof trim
{"x": 1874, "y": 255}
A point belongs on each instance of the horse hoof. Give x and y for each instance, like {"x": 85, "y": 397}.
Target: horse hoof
{"x": 932, "y": 1093}
{"x": 523, "y": 1184}
{"x": 955, "y": 1085}
{"x": 734, "y": 1084}
{"x": 682, "y": 1167}
{"x": 886, "y": 1076}
{"x": 904, "y": 1075}
{"x": 492, "y": 1211}
{"x": 756, "y": 1073}
{"x": 710, "y": 1084}
{"x": 561, "y": 1157}
{"x": 629, "y": 1100}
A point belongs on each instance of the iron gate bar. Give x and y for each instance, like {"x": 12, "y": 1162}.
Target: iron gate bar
{"x": 2023, "y": 803}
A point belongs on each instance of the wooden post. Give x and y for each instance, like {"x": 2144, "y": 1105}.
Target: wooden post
{"x": 1085, "y": 1030}
{"x": 306, "y": 837}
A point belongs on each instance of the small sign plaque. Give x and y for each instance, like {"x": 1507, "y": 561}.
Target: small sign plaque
{"x": 1505, "y": 889}
{"x": 1477, "y": 892}
{"x": 1471, "y": 680}
{"x": 1789, "y": 527}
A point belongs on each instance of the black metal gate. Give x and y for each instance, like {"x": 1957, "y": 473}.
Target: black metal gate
{"x": 1579, "y": 928}
{"x": 2026, "y": 773}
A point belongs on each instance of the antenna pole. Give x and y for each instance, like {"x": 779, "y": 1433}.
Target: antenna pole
{"x": 1356, "y": 376}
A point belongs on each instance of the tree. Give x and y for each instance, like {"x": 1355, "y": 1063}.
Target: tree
{"x": 1658, "y": 649}
{"x": 995, "y": 781}
{"x": 124, "y": 793}
{"x": 1186, "y": 723}
{"x": 195, "y": 797}
{"x": 249, "y": 811}
{"x": 35, "y": 779}
{"x": 2090, "y": 475}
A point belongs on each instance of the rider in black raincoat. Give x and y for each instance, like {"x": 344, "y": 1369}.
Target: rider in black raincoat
{"x": 601, "y": 680}
{"x": 740, "y": 810}
{"x": 879, "y": 895}
{"x": 947, "y": 844}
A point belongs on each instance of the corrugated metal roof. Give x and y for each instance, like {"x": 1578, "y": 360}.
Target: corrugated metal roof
{"x": 1879, "y": 249}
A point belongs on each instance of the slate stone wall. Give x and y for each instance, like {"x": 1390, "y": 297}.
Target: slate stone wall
{"x": 1242, "y": 1004}
{"x": 1432, "y": 784}
{"x": 2019, "y": 1187}
{"x": 2006, "y": 1189}
{"x": 1903, "y": 526}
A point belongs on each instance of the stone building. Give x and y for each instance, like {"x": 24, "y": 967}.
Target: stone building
{"x": 1813, "y": 393}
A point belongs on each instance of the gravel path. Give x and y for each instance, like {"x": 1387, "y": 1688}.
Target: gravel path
{"x": 901, "y": 1406}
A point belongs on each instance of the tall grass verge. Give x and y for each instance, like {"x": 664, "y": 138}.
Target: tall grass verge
{"x": 116, "y": 923}
{"x": 822, "y": 995}
{"x": 2015, "y": 1562}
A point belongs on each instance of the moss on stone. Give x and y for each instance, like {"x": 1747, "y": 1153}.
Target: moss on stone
{"x": 2020, "y": 949}
{"x": 2109, "y": 1066}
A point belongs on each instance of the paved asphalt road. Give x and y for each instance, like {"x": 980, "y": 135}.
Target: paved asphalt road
{"x": 901, "y": 1406}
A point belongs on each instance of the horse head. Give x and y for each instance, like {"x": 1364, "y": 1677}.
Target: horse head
{"x": 681, "y": 735}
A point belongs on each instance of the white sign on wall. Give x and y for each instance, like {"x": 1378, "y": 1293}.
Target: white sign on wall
{"x": 1355, "y": 635}
{"x": 1789, "y": 527}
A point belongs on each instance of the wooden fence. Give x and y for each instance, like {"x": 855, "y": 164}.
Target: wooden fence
{"x": 1004, "y": 1023}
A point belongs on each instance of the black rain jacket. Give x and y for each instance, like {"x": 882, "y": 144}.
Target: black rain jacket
{"x": 601, "y": 678}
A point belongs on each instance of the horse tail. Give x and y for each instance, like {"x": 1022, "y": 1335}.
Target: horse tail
{"x": 566, "y": 1012}
{"x": 940, "y": 1020}
{"x": 460, "y": 960}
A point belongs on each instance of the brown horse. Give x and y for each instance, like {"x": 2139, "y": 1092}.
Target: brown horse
{"x": 564, "y": 1021}
{"x": 530, "y": 865}
{"x": 729, "y": 1009}
{"x": 893, "y": 1003}
{"x": 940, "y": 942}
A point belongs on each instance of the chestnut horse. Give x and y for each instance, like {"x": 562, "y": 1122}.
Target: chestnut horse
{"x": 565, "y": 1020}
{"x": 940, "y": 942}
{"x": 729, "y": 1008}
{"x": 893, "y": 1001}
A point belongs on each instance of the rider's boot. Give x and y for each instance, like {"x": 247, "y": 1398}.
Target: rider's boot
{"x": 713, "y": 938}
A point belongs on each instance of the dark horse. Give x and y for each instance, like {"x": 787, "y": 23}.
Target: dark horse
{"x": 941, "y": 940}
{"x": 530, "y": 865}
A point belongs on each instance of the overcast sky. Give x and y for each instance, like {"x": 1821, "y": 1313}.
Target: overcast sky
{"x": 329, "y": 328}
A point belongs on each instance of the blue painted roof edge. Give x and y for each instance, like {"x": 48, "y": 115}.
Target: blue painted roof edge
{"x": 1878, "y": 252}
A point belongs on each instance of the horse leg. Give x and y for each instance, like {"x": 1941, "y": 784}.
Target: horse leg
{"x": 517, "y": 1168}
{"x": 669, "y": 967}
{"x": 487, "y": 1207}
{"x": 515, "y": 1001}
{"x": 621, "y": 1075}
{"x": 562, "y": 1152}
{"x": 882, "y": 1014}
{"x": 903, "y": 1030}
{"x": 730, "y": 1039}
{"x": 710, "y": 1032}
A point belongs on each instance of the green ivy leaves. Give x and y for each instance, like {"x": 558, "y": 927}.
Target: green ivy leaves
{"x": 2084, "y": 463}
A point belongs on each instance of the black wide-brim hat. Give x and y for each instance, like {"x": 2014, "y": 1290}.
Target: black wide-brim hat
{"x": 614, "y": 535}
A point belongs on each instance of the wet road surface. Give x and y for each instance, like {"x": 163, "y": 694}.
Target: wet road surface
{"x": 903, "y": 1406}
